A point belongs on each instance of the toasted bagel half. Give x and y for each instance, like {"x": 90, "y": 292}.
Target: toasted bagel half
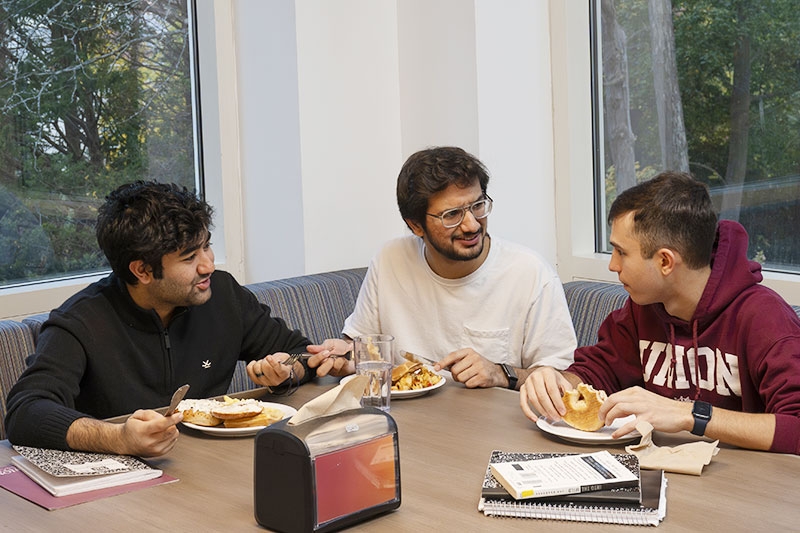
{"x": 583, "y": 405}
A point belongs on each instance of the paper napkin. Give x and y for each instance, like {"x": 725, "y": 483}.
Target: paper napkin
{"x": 343, "y": 397}
{"x": 688, "y": 458}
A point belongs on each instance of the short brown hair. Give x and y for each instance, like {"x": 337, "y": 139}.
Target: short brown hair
{"x": 672, "y": 210}
{"x": 432, "y": 170}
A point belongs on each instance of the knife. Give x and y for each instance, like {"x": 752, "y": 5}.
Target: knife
{"x": 177, "y": 396}
{"x": 408, "y": 356}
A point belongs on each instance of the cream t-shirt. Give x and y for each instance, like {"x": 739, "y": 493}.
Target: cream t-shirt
{"x": 511, "y": 310}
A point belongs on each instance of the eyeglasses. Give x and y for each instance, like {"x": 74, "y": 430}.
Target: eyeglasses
{"x": 454, "y": 217}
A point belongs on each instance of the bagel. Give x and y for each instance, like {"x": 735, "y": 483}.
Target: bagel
{"x": 268, "y": 415}
{"x": 236, "y": 410}
{"x": 406, "y": 368}
{"x": 583, "y": 404}
{"x": 198, "y": 412}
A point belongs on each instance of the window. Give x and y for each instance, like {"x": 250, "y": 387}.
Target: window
{"x": 712, "y": 88}
{"x": 92, "y": 95}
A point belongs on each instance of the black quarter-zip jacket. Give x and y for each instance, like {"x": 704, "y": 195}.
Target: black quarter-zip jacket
{"x": 101, "y": 355}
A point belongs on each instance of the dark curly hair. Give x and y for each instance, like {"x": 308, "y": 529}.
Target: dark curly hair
{"x": 146, "y": 220}
{"x": 432, "y": 170}
{"x": 672, "y": 211}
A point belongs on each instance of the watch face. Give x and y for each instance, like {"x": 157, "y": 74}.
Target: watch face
{"x": 702, "y": 409}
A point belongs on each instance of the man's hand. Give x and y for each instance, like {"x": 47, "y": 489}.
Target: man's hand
{"x": 145, "y": 433}
{"x": 747, "y": 430}
{"x": 665, "y": 414}
{"x": 271, "y": 372}
{"x": 542, "y": 392}
{"x": 148, "y": 433}
{"x": 331, "y": 357}
{"x": 472, "y": 369}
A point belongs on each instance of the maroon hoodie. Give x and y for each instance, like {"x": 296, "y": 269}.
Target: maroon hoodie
{"x": 740, "y": 351}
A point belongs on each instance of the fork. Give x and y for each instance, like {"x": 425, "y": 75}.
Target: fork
{"x": 292, "y": 359}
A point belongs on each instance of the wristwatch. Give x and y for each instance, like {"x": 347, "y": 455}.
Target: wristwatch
{"x": 701, "y": 411}
{"x": 510, "y": 374}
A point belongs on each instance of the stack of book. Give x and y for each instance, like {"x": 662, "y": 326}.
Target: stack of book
{"x": 594, "y": 487}
{"x": 62, "y": 473}
{"x": 55, "y": 479}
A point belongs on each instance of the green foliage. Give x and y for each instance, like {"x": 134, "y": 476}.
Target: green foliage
{"x": 92, "y": 95}
{"x": 706, "y": 33}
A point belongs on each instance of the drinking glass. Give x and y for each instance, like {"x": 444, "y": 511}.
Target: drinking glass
{"x": 373, "y": 357}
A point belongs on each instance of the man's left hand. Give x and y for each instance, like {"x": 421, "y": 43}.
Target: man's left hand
{"x": 664, "y": 414}
{"x": 269, "y": 371}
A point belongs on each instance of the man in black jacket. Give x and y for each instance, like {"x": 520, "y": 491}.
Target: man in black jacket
{"x": 126, "y": 342}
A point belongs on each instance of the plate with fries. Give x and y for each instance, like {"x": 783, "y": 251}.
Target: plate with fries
{"x": 413, "y": 385}
{"x": 413, "y": 393}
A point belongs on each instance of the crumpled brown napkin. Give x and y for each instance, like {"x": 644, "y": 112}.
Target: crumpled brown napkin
{"x": 689, "y": 458}
{"x": 343, "y": 397}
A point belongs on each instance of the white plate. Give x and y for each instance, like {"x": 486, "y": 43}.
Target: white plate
{"x": 404, "y": 394}
{"x": 601, "y": 436}
{"x": 221, "y": 431}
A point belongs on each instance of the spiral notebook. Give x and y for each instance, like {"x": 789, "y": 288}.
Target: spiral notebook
{"x": 643, "y": 505}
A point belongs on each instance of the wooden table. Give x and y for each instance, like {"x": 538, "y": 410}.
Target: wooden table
{"x": 445, "y": 440}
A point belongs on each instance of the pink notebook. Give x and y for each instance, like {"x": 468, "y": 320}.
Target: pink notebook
{"x": 16, "y": 481}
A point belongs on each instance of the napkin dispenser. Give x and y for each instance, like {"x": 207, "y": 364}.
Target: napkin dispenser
{"x": 326, "y": 473}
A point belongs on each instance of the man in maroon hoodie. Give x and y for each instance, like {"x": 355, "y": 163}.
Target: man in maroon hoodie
{"x": 700, "y": 345}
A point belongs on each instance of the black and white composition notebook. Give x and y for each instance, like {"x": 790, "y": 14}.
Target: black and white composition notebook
{"x": 63, "y": 473}
{"x": 645, "y": 504}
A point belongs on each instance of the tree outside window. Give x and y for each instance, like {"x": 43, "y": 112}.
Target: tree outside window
{"x": 92, "y": 95}
{"x": 711, "y": 87}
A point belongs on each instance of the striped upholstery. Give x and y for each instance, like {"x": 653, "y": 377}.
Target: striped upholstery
{"x": 316, "y": 304}
{"x": 34, "y": 323}
{"x": 589, "y": 303}
{"x": 16, "y": 343}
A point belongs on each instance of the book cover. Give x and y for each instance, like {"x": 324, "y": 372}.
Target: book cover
{"x": 650, "y": 509}
{"x": 64, "y": 473}
{"x": 61, "y": 463}
{"x": 568, "y": 474}
{"x": 493, "y": 490}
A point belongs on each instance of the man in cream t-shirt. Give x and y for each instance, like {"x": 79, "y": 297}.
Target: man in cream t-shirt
{"x": 486, "y": 309}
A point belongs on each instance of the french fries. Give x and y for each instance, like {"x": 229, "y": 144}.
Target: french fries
{"x": 419, "y": 379}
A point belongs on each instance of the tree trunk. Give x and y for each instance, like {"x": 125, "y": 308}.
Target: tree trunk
{"x": 671, "y": 129}
{"x": 616, "y": 97}
{"x": 740, "y": 124}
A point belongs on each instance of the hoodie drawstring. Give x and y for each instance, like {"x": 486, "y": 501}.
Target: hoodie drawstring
{"x": 674, "y": 362}
{"x": 696, "y": 361}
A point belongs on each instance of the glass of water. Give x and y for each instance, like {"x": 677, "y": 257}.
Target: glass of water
{"x": 373, "y": 357}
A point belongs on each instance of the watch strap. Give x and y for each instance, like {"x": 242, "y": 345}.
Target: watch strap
{"x": 510, "y": 374}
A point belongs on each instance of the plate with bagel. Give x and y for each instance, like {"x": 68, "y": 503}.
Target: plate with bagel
{"x": 231, "y": 417}
{"x": 601, "y": 436}
{"x": 581, "y": 423}
{"x": 410, "y": 379}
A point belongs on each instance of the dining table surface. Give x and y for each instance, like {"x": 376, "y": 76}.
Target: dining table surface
{"x": 445, "y": 439}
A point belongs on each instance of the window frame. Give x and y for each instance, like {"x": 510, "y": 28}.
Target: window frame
{"x": 573, "y": 130}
